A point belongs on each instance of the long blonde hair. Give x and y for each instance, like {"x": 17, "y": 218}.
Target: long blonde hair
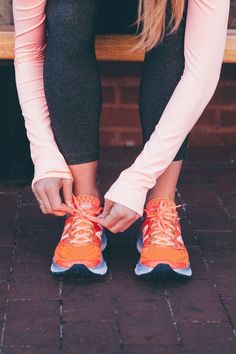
{"x": 152, "y": 21}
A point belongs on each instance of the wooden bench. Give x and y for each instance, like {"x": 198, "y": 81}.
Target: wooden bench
{"x": 110, "y": 47}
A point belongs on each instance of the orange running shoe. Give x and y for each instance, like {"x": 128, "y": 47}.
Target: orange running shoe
{"x": 160, "y": 242}
{"x": 79, "y": 252}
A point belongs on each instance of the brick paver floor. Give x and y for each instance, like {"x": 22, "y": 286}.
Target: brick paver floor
{"x": 120, "y": 313}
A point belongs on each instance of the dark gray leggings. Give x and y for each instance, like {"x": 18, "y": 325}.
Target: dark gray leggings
{"x": 73, "y": 84}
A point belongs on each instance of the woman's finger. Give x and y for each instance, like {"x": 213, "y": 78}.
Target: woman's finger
{"x": 43, "y": 200}
{"x": 124, "y": 224}
{"x": 34, "y": 189}
{"x": 56, "y": 202}
{"x": 107, "y": 208}
{"x": 112, "y": 218}
{"x": 39, "y": 200}
{"x": 67, "y": 192}
{"x": 120, "y": 226}
{"x": 129, "y": 223}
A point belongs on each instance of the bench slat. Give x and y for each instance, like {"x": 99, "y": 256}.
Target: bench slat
{"x": 110, "y": 47}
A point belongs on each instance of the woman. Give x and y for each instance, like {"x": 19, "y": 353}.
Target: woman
{"x": 59, "y": 89}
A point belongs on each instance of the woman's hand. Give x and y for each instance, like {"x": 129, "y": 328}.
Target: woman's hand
{"x": 117, "y": 217}
{"x": 47, "y": 193}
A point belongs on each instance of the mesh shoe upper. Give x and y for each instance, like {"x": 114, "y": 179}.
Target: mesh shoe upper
{"x": 81, "y": 238}
{"x": 162, "y": 241}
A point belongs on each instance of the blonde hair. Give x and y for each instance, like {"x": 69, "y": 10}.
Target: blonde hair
{"x": 152, "y": 20}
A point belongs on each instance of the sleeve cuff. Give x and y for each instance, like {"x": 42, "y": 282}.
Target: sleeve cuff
{"x": 127, "y": 194}
{"x": 48, "y": 166}
{"x": 58, "y": 174}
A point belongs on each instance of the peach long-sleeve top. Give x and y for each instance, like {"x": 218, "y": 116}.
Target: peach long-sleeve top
{"x": 206, "y": 30}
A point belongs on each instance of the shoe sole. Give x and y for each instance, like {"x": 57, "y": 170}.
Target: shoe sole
{"x": 161, "y": 270}
{"x": 79, "y": 270}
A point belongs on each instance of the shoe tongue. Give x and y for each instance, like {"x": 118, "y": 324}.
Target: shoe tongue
{"x": 155, "y": 203}
{"x": 88, "y": 202}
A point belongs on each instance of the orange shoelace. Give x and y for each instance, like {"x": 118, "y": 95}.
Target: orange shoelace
{"x": 165, "y": 227}
{"x": 82, "y": 228}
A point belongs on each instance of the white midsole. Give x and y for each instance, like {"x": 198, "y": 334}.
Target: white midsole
{"x": 100, "y": 269}
{"x": 142, "y": 269}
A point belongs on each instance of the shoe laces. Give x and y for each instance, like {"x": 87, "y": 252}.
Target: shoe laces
{"x": 82, "y": 227}
{"x": 164, "y": 225}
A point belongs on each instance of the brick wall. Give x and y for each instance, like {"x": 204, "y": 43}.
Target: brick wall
{"x": 120, "y": 123}
{"x": 232, "y": 16}
{"x": 6, "y": 17}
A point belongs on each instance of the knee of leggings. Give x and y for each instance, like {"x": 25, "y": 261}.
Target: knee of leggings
{"x": 70, "y": 24}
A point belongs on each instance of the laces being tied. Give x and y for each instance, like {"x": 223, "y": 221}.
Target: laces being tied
{"x": 165, "y": 228}
{"x": 82, "y": 227}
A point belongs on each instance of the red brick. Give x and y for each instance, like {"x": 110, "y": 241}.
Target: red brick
{"x": 211, "y": 154}
{"x": 229, "y": 139}
{"x": 208, "y": 130}
{"x": 108, "y": 138}
{"x": 125, "y": 78}
{"x": 120, "y": 117}
{"x": 228, "y": 118}
{"x": 210, "y": 117}
{"x": 116, "y": 155}
{"x": 108, "y": 94}
{"x": 225, "y": 93}
{"x": 130, "y": 139}
{"x": 129, "y": 94}
{"x": 204, "y": 139}
{"x": 121, "y": 138}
